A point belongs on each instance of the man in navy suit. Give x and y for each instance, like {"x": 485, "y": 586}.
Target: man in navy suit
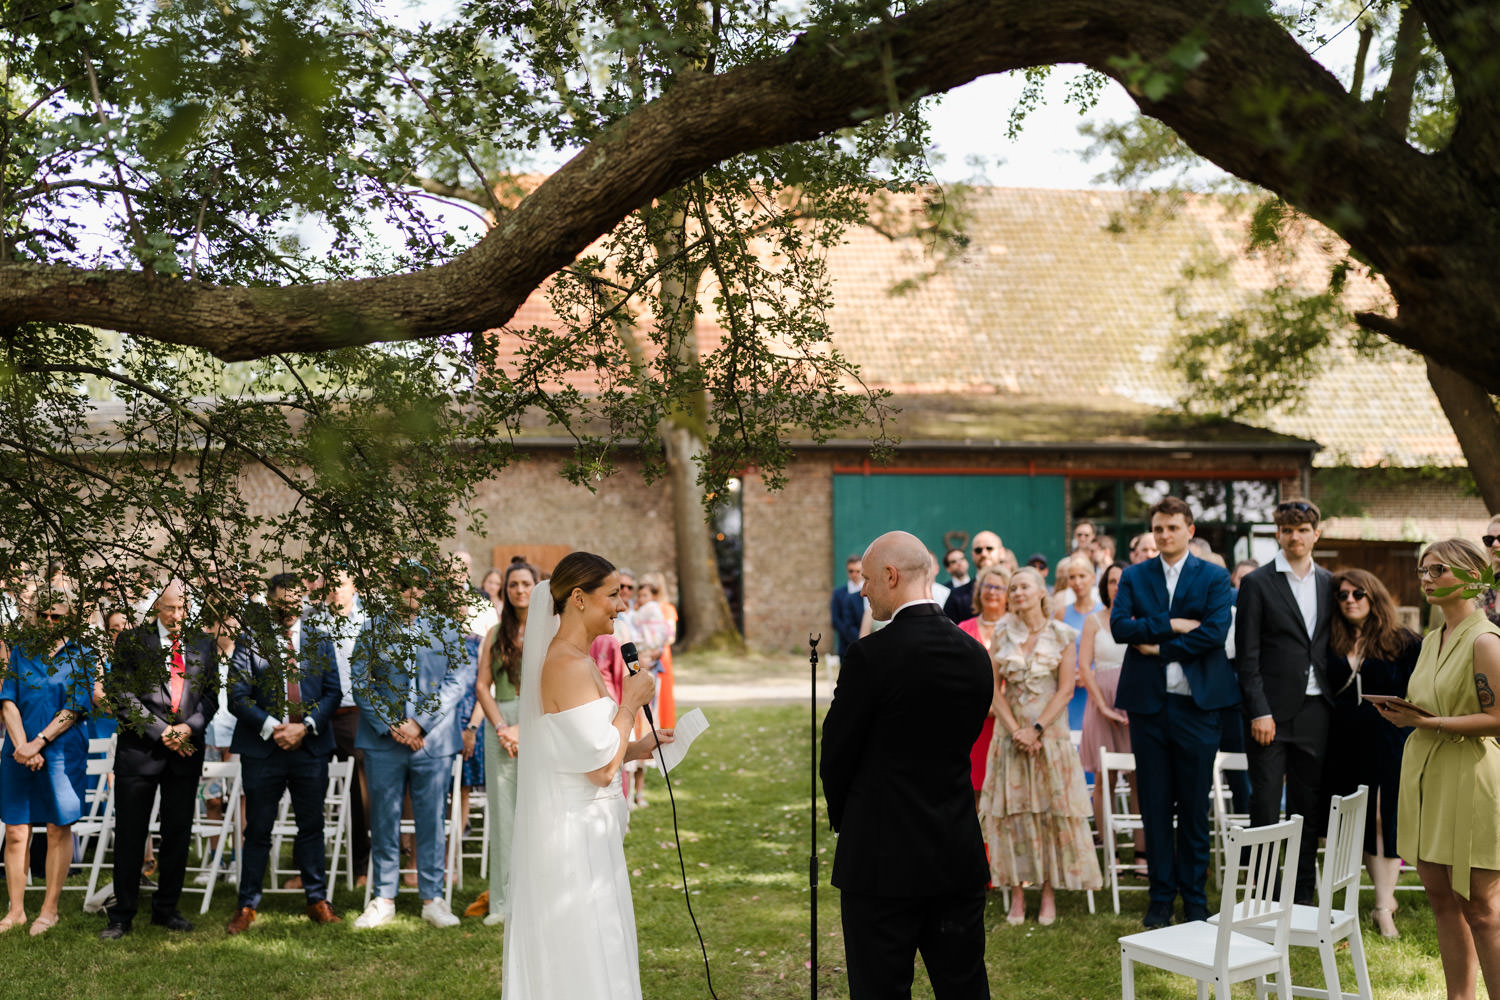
{"x": 410, "y": 672}
{"x": 848, "y": 606}
{"x": 283, "y": 690}
{"x": 1173, "y": 611}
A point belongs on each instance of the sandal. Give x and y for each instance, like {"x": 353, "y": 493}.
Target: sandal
{"x": 42, "y": 925}
{"x": 10, "y": 922}
{"x": 1380, "y": 916}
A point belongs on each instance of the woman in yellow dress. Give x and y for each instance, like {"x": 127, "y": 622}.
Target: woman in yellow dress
{"x": 1449, "y": 819}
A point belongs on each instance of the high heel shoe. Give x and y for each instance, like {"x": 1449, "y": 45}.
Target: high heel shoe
{"x": 1381, "y": 917}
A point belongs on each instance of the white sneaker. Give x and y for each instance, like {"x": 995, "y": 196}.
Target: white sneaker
{"x": 379, "y": 913}
{"x": 437, "y": 914}
{"x": 494, "y": 919}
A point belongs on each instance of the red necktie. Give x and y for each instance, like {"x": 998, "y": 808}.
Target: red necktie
{"x": 179, "y": 671}
{"x": 293, "y": 685}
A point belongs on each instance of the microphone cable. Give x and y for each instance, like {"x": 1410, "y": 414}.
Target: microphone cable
{"x": 631, "y": 657}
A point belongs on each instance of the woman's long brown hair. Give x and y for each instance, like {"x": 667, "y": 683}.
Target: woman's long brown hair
{"x": 1385, "y": 638}
{"x": 507, "y": 648}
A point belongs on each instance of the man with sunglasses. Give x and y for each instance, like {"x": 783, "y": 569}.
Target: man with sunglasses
{"x": 1281, "y": 656}
{"x": 959, "y": 605}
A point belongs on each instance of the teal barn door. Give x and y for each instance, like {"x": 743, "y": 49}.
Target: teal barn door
{"x": 1027, "y": 512}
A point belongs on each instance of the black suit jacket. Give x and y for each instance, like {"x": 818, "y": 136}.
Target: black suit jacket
{"x": 1272, "y": 650}
{"x": 257, "y": 688}
{"x": 137, "y": 684}
{"x": 910, "y": 701}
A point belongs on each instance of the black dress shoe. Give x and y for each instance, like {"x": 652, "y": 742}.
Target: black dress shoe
{"x": 1191, "y": 913}
{"x": 1157, "y": 915}
{"x": 114, "y": 931}
{"x": 175, "y": 922}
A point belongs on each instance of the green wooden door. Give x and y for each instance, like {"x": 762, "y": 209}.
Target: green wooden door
{"x": 1027, "y": 512}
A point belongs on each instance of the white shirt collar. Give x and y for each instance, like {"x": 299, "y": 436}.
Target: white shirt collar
{"x": 1284, "y": 565}
{"x": 1174, "y": 567}
{"x": 164, "y": 635}
{"x": 920, "y": 600}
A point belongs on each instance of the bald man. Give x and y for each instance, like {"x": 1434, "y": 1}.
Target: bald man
{"x": 164, "y": 685}
{"x": 910, "y": 865}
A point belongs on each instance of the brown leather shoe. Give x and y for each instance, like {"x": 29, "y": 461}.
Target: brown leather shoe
{"x": 243, "y": 917}
{"x": 321, "y": 913}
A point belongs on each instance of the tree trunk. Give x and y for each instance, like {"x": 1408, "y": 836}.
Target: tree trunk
{"x": 1476, "y": 423}
{"x": 704, "y": 611}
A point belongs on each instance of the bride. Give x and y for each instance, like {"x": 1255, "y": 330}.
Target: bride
{"x": 571, "y": 930}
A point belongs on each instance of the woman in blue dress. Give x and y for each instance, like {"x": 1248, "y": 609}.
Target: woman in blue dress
{"x": 1077, "y": 572}
{"x": 46, "y": 693}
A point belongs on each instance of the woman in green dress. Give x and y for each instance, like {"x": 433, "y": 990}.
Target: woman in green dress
{"x": 498, "y": 688}
{"x": 1449, "y": 818}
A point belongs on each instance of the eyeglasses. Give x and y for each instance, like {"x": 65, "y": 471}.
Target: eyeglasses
{"x": 1490, "y": 540}
{"x": 1352, "y": 595}
{"x": 984, "y": 548}
{"x": 992, "y": 588}
{"x": 627, "y": 586}
{"x": 53, "y": 616}
{"x": 1431, "y": 571}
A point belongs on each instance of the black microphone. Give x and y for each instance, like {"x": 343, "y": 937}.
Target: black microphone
{"x": 627, "y": 650}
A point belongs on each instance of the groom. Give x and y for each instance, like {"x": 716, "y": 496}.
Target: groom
{"x": 910, "y": 863}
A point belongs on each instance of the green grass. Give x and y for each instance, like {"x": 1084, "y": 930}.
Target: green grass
{"x": 742, "y": 800}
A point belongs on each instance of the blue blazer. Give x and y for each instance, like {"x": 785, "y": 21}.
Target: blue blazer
{"x": 257, "y": 689}
{"x": 1141, "y": 616}
{"x": 846, "y": 610}
{"x": 381, "y": 678}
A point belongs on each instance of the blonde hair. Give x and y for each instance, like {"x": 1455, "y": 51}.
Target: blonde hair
{"x": 656, "y": 582}
{"x": 1458, "y": 553}
{"x": 993, "y": 569}
{"x": 1065, "y": 566}
{"x": 1041, "y": 586}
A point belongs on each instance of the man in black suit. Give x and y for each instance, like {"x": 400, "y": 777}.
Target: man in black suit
{"x": 163, "y": 684}
{"x": 910, "y": 862}
{"x": 284, "y": 690}
{"x": 1281, "y": 656}
{"x": 1173, "y": 611}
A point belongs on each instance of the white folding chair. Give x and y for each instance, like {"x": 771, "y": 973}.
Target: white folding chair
{"x": 1222, "y": 954}
{"x": 1325, "y": 925}
{"x": 452, "y": 829}
{"x": 1119, "y": 822}
{"x": 475, "y": 844}
{"x": 335, "y": 819}
{"x": 98, "y": 821}
{"x": 1221, "y": 802}
{"x": 226, "y": 828}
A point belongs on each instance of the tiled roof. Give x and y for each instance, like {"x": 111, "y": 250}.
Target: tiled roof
{"x": 1070, "y": 296}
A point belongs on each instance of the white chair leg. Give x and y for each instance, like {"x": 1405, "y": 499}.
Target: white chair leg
{"x": 1284, "y": 979}
{"x": 1330, "y": 970}
{"x": 1361, "y": 973}
{"x": 1127, "y": 977}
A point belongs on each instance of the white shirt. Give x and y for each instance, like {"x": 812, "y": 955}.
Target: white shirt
{"x": 909, "y": 604}
{"x": 344, "y": 631}
{"x": 854, "y": 588}
{"x": 1177, "y": 682}
{"x": 1305, "y": 592}
{"x": 939, "y": 593}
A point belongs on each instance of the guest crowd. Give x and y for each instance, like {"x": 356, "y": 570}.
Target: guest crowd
{"x": 1172, "y": 657}
{"x": 284, "y": 685}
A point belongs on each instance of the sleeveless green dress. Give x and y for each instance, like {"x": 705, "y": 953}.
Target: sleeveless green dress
{"x": 1450, "y": 785}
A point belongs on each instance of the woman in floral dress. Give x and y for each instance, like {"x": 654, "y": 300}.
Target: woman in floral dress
{"x": 1034, "y": 807}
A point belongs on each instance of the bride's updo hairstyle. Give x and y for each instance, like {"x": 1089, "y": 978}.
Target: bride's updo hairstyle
{"x": 577, "y": 571}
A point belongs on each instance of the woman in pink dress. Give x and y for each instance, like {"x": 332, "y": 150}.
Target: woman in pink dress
{"x": 989, "y": 607}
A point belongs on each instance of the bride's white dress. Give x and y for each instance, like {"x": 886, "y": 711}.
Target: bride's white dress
{"x": 570, "y": 934}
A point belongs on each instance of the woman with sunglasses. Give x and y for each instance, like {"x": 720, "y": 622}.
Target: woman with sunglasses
{"x": 1449, "y": 819}
{"x": 47, "y": 692}
{"x": 1370, "y": 652}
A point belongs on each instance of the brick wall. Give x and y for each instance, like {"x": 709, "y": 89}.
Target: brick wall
{"x": 788, "y": 538}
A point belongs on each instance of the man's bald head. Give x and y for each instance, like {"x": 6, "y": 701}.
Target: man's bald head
{"x": 898, "y": 569}
{"x": 171, "y": 605}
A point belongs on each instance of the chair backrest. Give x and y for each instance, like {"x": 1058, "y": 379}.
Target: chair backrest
{"x": 1262, "y": 874}
{"x": 1111, "y": 766}
{"x": 102, "y": 746}
{"x": 1344, "y": 857}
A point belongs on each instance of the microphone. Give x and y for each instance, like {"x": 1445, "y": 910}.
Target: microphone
{"x": 627, "y": 650}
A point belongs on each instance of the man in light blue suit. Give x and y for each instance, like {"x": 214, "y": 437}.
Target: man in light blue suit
{"x": 1174, "y": 613}
{"x": 409, "y": 734}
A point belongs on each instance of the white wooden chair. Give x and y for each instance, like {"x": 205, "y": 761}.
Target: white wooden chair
{"x": 1120, "y": 824}
{"x": 226, "y": 828}
{"x": 1221, "y": 802}
{"x": 1325, "y": 925}
{"x": 452, "y": 831}
{"x": 475, "y": 845}
{"x": 98, "y": 821}
{"x": 335, "y": 829}
{"x": 1222, "y": 954}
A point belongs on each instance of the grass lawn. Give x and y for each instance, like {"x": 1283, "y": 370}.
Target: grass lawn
{"x": 742, "y": 800}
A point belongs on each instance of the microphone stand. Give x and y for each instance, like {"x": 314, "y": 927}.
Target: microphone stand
{"x": 812, "y": 861}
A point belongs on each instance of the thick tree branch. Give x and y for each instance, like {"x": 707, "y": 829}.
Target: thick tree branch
{"x": 1256, "y": 104}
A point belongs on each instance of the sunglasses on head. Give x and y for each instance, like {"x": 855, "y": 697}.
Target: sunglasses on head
{"x": 1300, "y": 506}
{"x": 1352, "y": 595}
{"x": 1490, "y": 540}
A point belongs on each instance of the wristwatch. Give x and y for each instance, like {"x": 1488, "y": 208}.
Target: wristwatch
{"x": 1038, "y": 727}
{"x": 472, "y": 727}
